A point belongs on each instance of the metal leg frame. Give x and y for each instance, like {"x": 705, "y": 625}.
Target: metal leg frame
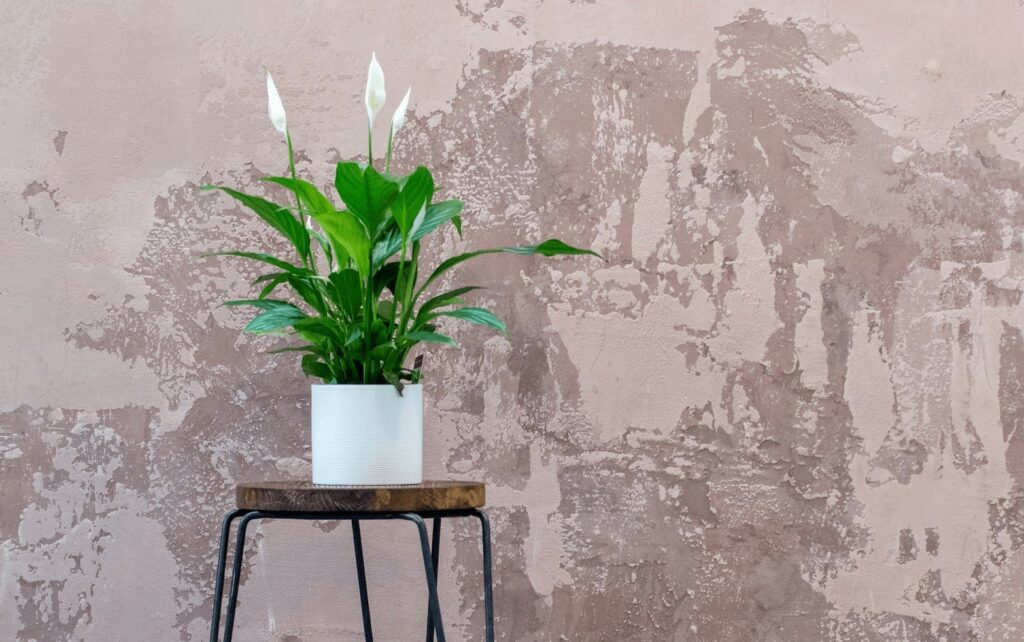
{"x": 430, "y": 553}
{"x": 485, "y": 535}
{"x": 434, "y": 614}
{"x": 222, "y": 554}
{"x": 435, "y": 557}
{"x": 364, "y": 598}
{"x": 236, "y": 573}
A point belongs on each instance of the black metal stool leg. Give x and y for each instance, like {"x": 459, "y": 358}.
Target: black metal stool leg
{"x": 485, "y": 527}
{"x": 222, "y": 555}
{"x": 435, "y": 557}
{"x": 364, "y": 599}
{"x": 236, "y": 573}
{"x": 428, "y": 568}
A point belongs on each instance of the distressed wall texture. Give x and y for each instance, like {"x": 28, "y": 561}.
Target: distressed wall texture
{"x": 788, "y": 406}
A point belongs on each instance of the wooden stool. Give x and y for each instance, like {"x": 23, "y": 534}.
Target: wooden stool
{"x": 306, "y": 501}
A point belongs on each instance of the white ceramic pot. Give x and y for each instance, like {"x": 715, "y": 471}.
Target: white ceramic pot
{"x": 367, "y": 434}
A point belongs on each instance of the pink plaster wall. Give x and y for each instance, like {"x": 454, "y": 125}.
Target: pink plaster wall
{"x": 787, "y": 408}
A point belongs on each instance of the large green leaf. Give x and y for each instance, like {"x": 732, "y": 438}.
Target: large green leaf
{"x": 307, "y": 193}
{"x": 277, "y": 216}
{"x": 312, "y": 366}
{"x": 346, "y": 291}
{"x": 387, "y": 276}
{"x": 430, "y": 337}
{"x": 354, "y": 335}
{"x": 386, "y": 309}
{"x": 409, "y": 206}
{"x": 276, "y": 315}
{"x": 480, "y": 316}
{"x": 451, "y": 297}
{"x": 319, "y": 330}
{"x": 265, "y": 258}
{"x": 436, "y": 215}
{"x": 301, "y": 348}
{"x": 272, "y": 281}
{"x": 382, "y": 351}
{"x": 263, "y": 304}
{"x": 365, "y": 192}
{"x": 347, "y": 233}
{"x": 308, "y": 288}
{"x": 551, "y": 247}
{"x": 329, "y": 252}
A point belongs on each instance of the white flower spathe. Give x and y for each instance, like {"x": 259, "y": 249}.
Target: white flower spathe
{"x": 374, "y": 89}
{"x": 275, "y": 107}
{"x": 399, "y": 118}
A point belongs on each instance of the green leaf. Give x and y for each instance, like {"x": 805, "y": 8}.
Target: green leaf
{"x": 387, "y": 276}
{"x": 272, "y": 280}
{"x": 450, "y": 297}
{"x": 263, "y": 304}
{"x": 437, "y": 214}
{"x": 347, "y": 233}
{"x": 313, "y": 367}
{"x": 429, "y": 337}
{"x": 292, "y": 349}
{"x": 365, "y": 192}
{"x": 325, "y": 244}
{"x": 551, "y": 247}
{"x": 308, "y": 289}
{"x": 264, "y": 258}
{"x": 386, "y": 309}
{"x": 346, "y": 291}
{"x": 276, "y": 315}
{"x": 270, "y": 287}
{"x": 409, "y": 206}
{"x": 383, "y": 351}
{"x": 353, "y": 336}
{"x": 480, "y": 316}
{"x": 319, "y": 330}
{"x": 277, "y": 216}
{"x": 307, "y": 193}
{"x": 395, "y": 379}
{"x": 379, "y": 332}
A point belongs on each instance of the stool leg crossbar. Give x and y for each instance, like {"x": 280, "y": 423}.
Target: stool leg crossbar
{"x": 430, "y": 548}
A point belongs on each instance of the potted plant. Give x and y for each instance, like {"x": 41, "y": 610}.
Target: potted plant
{"x": 360, "y": 301}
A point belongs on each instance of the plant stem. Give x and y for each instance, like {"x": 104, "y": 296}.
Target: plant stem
{"x": 387, "y": 164}
{"x": 370, "y": 315}
{"x": 291, "y": 166}
{"x": 311, "y": 262}
{"x": 367, "y": 324}
{"x": 407, "y": 295}
{"x": 398, "y": 285}
{"x": 369, "y": 144}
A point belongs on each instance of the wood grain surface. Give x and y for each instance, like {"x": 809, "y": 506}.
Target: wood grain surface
{"x": 304, "y": 496}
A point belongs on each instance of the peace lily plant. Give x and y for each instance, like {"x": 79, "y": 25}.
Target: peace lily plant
{"x": 360, "y": 302}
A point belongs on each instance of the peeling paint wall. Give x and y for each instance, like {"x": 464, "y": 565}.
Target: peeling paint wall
{"x": 786, "y": 408}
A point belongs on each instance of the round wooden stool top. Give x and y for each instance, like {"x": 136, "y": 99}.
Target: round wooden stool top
{"x": 306, "y": 497}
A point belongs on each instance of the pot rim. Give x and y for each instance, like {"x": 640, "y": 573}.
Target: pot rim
{"x": 363, "y": 385}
